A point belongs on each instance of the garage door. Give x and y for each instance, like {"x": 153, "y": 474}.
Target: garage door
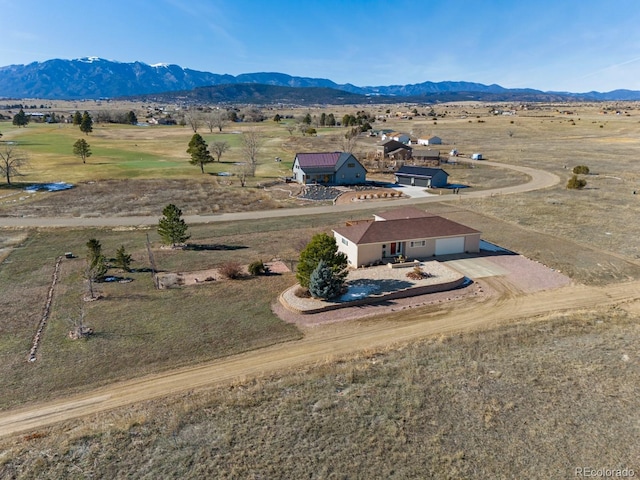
{"x": 446, "y": 246}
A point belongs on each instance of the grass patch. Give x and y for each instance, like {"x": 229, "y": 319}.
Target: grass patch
{"x": 137, "y": 329}
{"x": 502, "y": 403}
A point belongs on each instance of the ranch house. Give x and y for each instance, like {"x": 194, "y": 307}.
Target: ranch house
{"x": 407, "y": 232}
{"x": 330, "y": 168}
{"x": 422, "y": 176}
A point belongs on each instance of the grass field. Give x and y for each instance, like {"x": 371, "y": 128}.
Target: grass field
{"x": 534, "y": 399}
{"x": 529, "y": 400}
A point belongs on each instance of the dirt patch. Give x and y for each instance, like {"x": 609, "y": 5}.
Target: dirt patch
{"x": 168, "y": 280}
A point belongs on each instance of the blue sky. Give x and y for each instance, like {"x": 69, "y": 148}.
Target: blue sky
{"x": 562, "y": 45}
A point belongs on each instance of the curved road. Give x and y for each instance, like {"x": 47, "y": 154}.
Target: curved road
{"x": 539, "y": 179}
{"x": 318, "y": 344}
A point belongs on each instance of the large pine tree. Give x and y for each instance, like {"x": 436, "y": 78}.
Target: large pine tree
{"x": 86, "y": 124}
{"x": 199, "y": 151}
{"x": 171, "y": 227}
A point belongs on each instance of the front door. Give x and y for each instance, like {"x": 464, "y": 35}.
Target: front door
{"x": 393, "y": 248}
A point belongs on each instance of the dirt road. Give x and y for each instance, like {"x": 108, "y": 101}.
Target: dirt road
{"x": 539, "y": 179}
{"x": 318, "y": 345}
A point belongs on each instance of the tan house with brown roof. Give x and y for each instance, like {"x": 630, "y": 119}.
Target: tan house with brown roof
{"x": 409, "y": 232}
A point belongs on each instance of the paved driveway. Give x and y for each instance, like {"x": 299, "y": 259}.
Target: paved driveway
{"x": 477, "y": 267}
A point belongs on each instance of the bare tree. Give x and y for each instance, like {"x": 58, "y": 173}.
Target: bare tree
{"x": 251, "y": 143}
{"x": 193, "y": 119}
{"x": 349, "y": 140}
{"x": 219, "y": 119}
{"x": 218, "y": 148}
{"x": 11, "y": 160}
{"x": 290, "y": 127}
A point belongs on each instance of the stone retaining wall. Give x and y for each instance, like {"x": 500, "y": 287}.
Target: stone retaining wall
{"x": 409, "y": 292}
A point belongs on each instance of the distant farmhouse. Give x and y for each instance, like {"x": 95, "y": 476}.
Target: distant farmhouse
{"x": 398, "y": 137}
{"x": 329, "y": 168}
{"x": 426, "y": 156}
{"x": 422, "y": 176}
{"x": 430, "y": 141}
{"x": 407, "y": 232}
{"x": 393, "y": 149}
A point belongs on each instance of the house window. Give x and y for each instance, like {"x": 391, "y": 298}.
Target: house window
{"x": 351, "y": 165}
{"x": 345, "y": 241}
{"x": 418, "y": 243}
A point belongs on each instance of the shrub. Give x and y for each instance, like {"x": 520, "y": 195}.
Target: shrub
{"x": 231, "y": 270}
{"x": 257, "y": 268}
{"x": 581, "y": 169}
{"x": 576, "y": 183}
{"x": 418, "y": 274}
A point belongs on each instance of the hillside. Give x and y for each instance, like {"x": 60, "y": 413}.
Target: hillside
{"x": 93, "y": 78}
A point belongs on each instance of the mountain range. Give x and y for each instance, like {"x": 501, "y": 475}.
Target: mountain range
{"x": 94, "y": 78}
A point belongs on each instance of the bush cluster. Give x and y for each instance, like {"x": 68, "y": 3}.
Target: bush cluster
{"x": 576, "y": 183}
{"x": 581, "y": 170}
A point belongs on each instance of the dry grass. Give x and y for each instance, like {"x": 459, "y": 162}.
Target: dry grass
{"x": 138, "y": 329}
{"x": 531, "y": 400}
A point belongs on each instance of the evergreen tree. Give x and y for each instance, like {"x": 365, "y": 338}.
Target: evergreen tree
{"x": 86, "y": 124}
{"x": 331, "y": 120}
{"x": 96, "y": 261}
{"x": 82, "y": 149}
{"x": 171, "y": 227}
{"x": 321, "y": 247}
{"x": 131, "y": 118}
{"x": 77, "y": 118}
{"x": 20, "y": 119}
{"x": 123, "y": 259}
{"x": 198, "y": 151}
{"x": 324, "y": 283}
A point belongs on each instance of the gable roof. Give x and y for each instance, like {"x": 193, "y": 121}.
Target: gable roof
{"x": 414, "y": 171}
{"x": 391, "y": 141}
{"x": 311, "y": 160}
{"x": 426, "y": 152}
{"x": 403, "y": 229}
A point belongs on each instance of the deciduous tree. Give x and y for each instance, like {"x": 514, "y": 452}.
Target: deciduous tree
{"x": 251, "y": 144}
{"x": 218, "y": 148}
{"x": 11, "y": 161}
{"x": 198, "y": 151}
{"x": 82, "y": 149}
{"x": 321, "y": 247}
{"x": 171, "y": 227}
